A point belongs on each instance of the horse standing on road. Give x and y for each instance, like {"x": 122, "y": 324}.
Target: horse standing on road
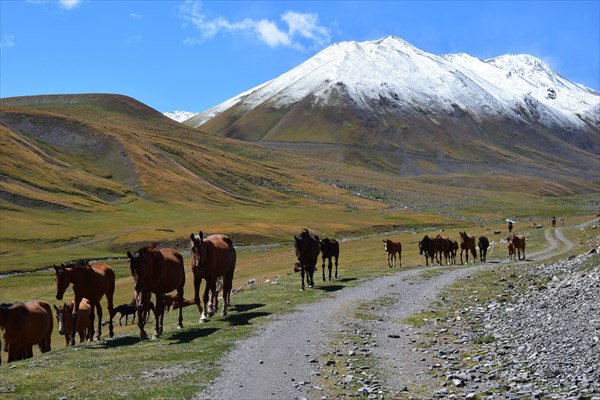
{"x": 392, "y": 248}
{"x": 307, "y": 252}
{"x": 467, "y": 243}
{"x": 483, "y": 245}
{"x": 427, "y": 248}
{"x": 330, "y": 248}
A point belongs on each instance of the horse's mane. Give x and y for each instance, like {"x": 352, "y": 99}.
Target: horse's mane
{"x": 77, "y": 264}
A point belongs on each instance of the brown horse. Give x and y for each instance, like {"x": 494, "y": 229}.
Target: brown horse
{"x": 25, "y": 325}
{"x": 157, "y": 271}
{"x": 213, "y": 259}
{"x": 453, "y": 251}
{"x": 307, "y": 252}
{"x": 125, "y": 309}
{"x": 330, "y": 248}
{"x": 442, "y": 247}
{"x": 64, "y": 318}
{"x": 392, "y": 248}
{"x": 427, "y": 248}
{"x": 91, "y": 282}
{"x": 518, "y": 242}
{"x": 467, "y": 243}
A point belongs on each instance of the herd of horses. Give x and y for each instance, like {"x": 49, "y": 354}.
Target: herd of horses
{"x": 160, "y": 271}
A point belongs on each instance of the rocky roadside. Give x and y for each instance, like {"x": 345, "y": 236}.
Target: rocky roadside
{"x": 536, "y": 337}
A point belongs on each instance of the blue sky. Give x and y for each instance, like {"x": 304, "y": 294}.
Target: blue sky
{"x": 192, "y": 55}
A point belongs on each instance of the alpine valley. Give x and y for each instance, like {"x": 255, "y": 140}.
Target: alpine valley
{"x": 361, "y": 138}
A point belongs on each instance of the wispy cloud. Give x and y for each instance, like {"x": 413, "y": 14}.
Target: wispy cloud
{"x": 135, "y": 16}
{"x": 66, "y": 4}
{"x": 7, "y": 41}
{"x": 296, "y": 30}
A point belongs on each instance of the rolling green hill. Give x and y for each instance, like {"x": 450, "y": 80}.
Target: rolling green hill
{"x": 91, "y": 176}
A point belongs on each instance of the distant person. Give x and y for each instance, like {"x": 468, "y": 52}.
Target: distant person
{"x": 510, "y": 226}
{"x": 553, "y": 220}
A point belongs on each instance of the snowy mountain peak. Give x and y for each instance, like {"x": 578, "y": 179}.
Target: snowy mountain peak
{"x": 392, "y": 71}
{"x": 179, "y": 116}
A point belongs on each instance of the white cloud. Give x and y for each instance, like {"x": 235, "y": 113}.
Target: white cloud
{"x": 300, "y": 30}
{"x": 7, "y": 41}
{"x": 69, "y": 4}
{"x": 135, "y": 16}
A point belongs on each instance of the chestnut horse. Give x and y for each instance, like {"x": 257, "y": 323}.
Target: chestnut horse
{"x": 25, "y": 325}
{"x": 518, "y": 242}
{"x": 157, "y": 271}
{"x": 330, "y": 248}
{"x": 467, "y": 243}
{"x": 307, "y": 252}
{"x": 213, "y": 259}
{"x": 442, "y": 247}
{"x": 392, "y": 248}
{"x": 483, "y": 245}
{"x": 91, "y": 282}
{"x": 64, "y": 318}
{"x": 427, "y": 248}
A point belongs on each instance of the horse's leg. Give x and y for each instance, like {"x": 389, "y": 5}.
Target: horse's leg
{"x": 197, "y": 282}
{"x": 99, "y": 333}
{"x": 143, "y": 304}
{"x": 336, "y": 266}
{"x": 180, "y": 299}
{"x": 400, "y": 257}
{"x": 160, "y": 310}
{"x": 323, "y": 266}
{"x": 474, "y": 255}
{"x": 204, "y": 315}
{"x": 302, "y": 274}
{"x": 74, "y": 319}
{"x": 109, "y": 298}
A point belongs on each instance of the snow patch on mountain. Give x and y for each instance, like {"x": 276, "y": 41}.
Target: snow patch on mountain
{"x": 179, "y": 116}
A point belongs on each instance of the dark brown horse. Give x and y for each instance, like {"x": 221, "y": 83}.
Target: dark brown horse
{"x": 307, "y": 252}
{"x": 157, "y": 271}
{"x": 26, "y": 325}
{"x": 213, "y": 259}
{"x": 467, "y": 243}
{"x": 442, "y": 247}
{"x": 330, "y": 248}
{"x": 453, "y": 251}
{"x": 427, "y": 248}
{"x": 64, "y": 318}
{"x": 91, "y": 282}
{"x": 483, "y": 243}
{"x": 125, "y": 309}
{"x": 392, "y": 248}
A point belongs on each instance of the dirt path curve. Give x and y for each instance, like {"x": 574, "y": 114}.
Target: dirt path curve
{"x": 281, "y": 360}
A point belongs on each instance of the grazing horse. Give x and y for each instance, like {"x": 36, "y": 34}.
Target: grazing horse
{"x": 427, "y": 248}
{"x": 26, "y": 325}
{"x": 392, "y": 248}
{"x": 125, "y": 310}
{"x": 213, "y": 259}
{"x": 467, "y": 243}
{"x": 157, "y": 271}
{"x": 307, "y": 252}
{"x": 330, "y": 248}
{"x": 518, "y": 241}
{"x": 64, "y": 318}
{"x": 442, "y": 246}
{"x": 91, "y": 282}
{"x": 483, "y": 245}
{"x": 453, "y": 251}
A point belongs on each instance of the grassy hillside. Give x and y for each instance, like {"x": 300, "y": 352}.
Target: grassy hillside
{"x": 92, "y": 176}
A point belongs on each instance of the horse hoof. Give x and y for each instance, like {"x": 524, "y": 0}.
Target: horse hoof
{"x": 179, "y": 326}
{"x": 143, "y": 336}
{"x": 302, "y": 289}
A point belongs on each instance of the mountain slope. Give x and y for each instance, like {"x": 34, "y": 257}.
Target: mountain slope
{"x": 410, "y": 112}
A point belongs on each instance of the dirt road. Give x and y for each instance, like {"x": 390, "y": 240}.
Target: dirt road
{"x": 283, "y": 360}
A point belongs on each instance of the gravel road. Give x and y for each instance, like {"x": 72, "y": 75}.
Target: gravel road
{"x": 285, "y": 358}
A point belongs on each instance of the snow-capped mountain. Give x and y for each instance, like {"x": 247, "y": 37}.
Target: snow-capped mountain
{"x": 406, "y": 75}
{"x": 391, "y": 97}
{"x": 179, "y": 116}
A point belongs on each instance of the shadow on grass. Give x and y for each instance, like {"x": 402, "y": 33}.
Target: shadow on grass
{"x": 187, "y": 335}
{"x": 245, "y": 307}
{"x": 245, "y": 318}
{"x": 330, "y": 288}
{"x": 118, "y": 341}
{"x": 345, "y": 280}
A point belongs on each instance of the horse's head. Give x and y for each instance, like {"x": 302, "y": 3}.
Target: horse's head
{"x": 61, "y": 317}
{"x": 136, "y": 265}
{"x": 197, "y": 251}
{"x": 61, "y": 279}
